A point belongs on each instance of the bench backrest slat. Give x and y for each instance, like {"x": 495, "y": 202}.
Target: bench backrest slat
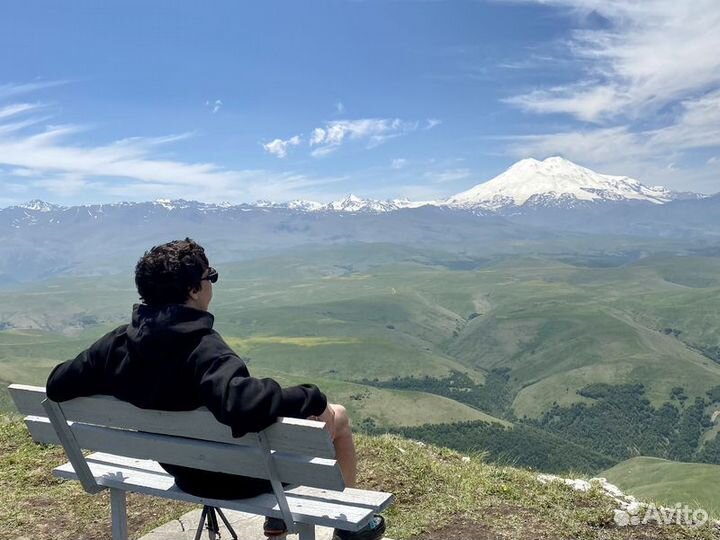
{"x": 288, "y": 435}
{"x": 211, "y": 456}
{"x": 105, "y": 424}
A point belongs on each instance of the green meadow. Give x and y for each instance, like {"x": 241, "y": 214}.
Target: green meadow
{"x": 669, "y": 482}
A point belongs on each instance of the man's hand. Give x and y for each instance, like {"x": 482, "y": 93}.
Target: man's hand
{"x": 327, "y": 416}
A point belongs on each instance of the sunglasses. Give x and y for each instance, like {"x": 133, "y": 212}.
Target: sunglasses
{"x": 212, "y": 275}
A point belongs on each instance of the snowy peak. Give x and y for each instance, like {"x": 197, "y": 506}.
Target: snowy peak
{"x": 555, "y": 182}
{"x": 304, "y": 206}
{"x": 352, "y": 203}
{"x": 36, "y": 205}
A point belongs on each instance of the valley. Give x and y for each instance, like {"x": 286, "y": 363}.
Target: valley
{"x": 497, "y": 355}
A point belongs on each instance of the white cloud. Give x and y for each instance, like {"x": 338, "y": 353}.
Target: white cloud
{"x": 646, "y": 154}
{"x": 648, "y": 55}
{"x": 16, "y": 108}
{"x": 649, "y": 81}
{"x": 431, "y": 123}
{"x": 448, "y": 175}
{"x": 339, "y": 107}
{"x": 279, "y": 147}
{"x": 374, "y": 131}
{"x": 214, "y": 106}
{"x": 332, "y": 135}
{"x": 50, "y": 160}
{"x": 23, "y": 173}
{"x": 13, "y": 89}
{"x": 317, "y": 136}
{"x": 399, "y": 163}
{"x": 696, "y": 126}
{"x": 586, "y": 102}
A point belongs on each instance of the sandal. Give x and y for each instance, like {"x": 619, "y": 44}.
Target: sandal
{"x": 274, "y": 527}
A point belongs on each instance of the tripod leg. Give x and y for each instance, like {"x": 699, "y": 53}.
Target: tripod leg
{"x": 227, "y": 524}
{"x": 201, "y": 525}
{"x": 213, "y": 528}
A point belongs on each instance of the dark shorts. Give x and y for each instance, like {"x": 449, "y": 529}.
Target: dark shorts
{"x": 216, "y": 485}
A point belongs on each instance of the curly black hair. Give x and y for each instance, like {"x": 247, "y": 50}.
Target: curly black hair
{"x": 167, "y": 273}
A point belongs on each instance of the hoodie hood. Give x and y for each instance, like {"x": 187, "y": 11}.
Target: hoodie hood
{"x": 155, "y": 327}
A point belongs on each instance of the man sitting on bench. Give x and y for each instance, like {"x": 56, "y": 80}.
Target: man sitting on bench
{"x": 170, "y": 358}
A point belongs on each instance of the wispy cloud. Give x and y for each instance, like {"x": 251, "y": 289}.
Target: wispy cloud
{"x": 652, "y": 63}
{"x": 696, "y": 126}
{"x": 214, "y": 106}
{"x": 15, "y": 109}
{"x": 431, "y": 123}
{"x": 371, "y": 131}
{"x": 340, "y": 107}
{"x": 399, "y": 163}
{"x": 279, "y": 147}
{"x": 584, "y": 101}
{"x": 13, "y": 89}
{"x": 448, "y": 175}
{"x": 645, "y": 153}
{"x": 649, "y": 54}
{"x": 51, "y": 159}
{"x": 329, "y": 137}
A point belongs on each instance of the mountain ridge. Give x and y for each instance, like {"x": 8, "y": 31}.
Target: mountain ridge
{"x": 554, "y": 182}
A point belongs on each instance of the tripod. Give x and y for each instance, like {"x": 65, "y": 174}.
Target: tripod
{"x": 209, "y": 515}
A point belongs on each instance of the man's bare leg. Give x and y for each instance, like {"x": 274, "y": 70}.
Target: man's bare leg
{"x": 344, "y": 445}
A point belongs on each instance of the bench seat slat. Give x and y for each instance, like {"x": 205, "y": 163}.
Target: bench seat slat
{"x": 286, "y": 435}
{"x": 211, "y": 456}
{"x": 376, "y": 500}
{"x": 150, "y": 482}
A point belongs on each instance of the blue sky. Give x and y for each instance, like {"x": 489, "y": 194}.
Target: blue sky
{"x": 239, "y": 101}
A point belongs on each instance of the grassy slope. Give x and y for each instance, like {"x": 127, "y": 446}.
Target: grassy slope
{"x": 390, "y": 407}
{"x": 669, "y": 482}
{"x": 433, "y": 487}
{"x": 561, "y": 327}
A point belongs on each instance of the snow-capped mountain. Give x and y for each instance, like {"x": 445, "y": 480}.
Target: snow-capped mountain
{"x": 529, "y": 184}
{"x": 555, "y": 182}
{"x": 37, "y": 205}
{"x": 352, "y": 203}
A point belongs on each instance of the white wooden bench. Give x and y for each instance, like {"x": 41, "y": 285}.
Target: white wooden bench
{"x": 128, "y": 441}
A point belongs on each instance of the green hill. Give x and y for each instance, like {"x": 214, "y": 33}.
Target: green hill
{"x": 669, "y": 482}
{"x": 404, "y": 336}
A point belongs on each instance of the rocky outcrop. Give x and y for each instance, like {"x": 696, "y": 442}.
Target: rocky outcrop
{"x": 630, "y": 511}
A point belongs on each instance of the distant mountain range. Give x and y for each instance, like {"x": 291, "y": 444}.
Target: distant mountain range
{"x": 528, "y": 184}
{"x": 530, "y": 204}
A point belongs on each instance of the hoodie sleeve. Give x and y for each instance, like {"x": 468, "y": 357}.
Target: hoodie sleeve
{"x": 245, "y": 403}
{"x": 82, "y": 376}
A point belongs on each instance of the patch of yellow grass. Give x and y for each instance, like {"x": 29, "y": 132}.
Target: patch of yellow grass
{"x": 351, "y": 277}
{"x": 297, "y": 341}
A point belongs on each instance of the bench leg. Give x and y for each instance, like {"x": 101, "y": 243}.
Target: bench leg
{"x": 306, "y": 531}
{"x": 119, "y": 514}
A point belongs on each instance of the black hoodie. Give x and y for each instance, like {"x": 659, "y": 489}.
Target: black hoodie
{"x": 170, "y": 358}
